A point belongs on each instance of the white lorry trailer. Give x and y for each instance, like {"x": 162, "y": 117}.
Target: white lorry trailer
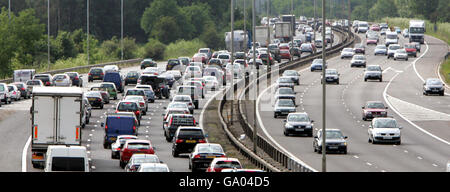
{"x": 56, "y": 119}
{"x": 261, "y": 35}
{"x": 283, "y": 30}
{"x": 416, "y": 31}
{"x": 239, "y": 40}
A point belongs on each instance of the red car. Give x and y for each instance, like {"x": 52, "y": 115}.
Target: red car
{"x": 200, "y": 57}
{"x": 134, "y": 146}
{"x": 372, "y": 41}
{"x": 373, "y": 109}
{"x": 285, "y": 54}
{"x": 375, "y": 27}
{"x": 223, "y": 163}
{"x": 411, "y": 49}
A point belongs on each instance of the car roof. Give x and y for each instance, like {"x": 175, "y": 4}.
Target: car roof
{"x": 138, "y": 141}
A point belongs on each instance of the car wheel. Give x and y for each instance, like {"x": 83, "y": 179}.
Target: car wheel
{"x": 168, "y": 139}
{"x": 399, "y": 143}
{"x": 122, "y": 164}
{"x": 345, "y": 151}
{"x": 285, "y": 133}
{"x": 101, "y": 107}
{"x": 365, "y": 79}
{"x": 174, "y": 153}
{"x": 274, "y": 115}
{"x": 105, "y": 146}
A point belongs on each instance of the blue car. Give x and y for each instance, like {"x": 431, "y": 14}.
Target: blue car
{"x": 116, "y": 78}
{"x": 316, "y": 65}
{"x": 122, "y": 123}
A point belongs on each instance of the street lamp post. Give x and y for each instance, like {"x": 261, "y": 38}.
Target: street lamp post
{"x": 292, "y": 28}
{"x": 48, "y": 34}
{"x": 232, "y": 60}
{"x": 87, "y": 30}
{"x": 268, "y": 39}
{"x": 257, "y": 79}
{"x": 121, "y": 28}
{"x": 324, "y": 66}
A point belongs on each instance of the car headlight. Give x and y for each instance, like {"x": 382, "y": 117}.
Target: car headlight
{"x": 442, "y": 88}
{"x": 289, "y": 126}
{"x": 383, "y": 112}
{"x": 427, "y": 88}
{"x": 344, "y": 144}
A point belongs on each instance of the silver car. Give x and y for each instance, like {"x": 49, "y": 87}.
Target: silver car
{"x": 184, "y": 99}
{"x": 285, "y": 82}
{"x": 380, "y": 50}
{"x": 293, "y": 75}
{"x": 283, "y": 107}
{"x": 401, "y": 54}
{"x": 62, "y": 80}
{"x": 384, "y": 129}
{"x": 332, "y": 75}
{"x": 373, "y": 72}
{"x": 298, "y": 123}
{"x": 347, "y": 52}
{"x": 358, "y": 60}
{"x": 14, "y": 92}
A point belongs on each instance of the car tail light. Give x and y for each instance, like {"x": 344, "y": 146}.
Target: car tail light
{"x": 179, "y": 141}
{"x": 141, "y": 104}
{"x": 89, "y": 74}
{"x": 102, "y": 74}
{"x": 47, "y": 83}
{"x": 35, "y": 132}
{"x": 77, "y": 133}
{"x": 118, "y": 149}
{"x": 196, "y": 156}
{"x": 106, "y": 127}
{"x": 98, "y": 99}
{"x": 137, "y": 112}
{"x": 23, "y": 89}
{"x": 201, "y": 141}
{"x": 76, "y": 78}
{"x": 134, "y": 129}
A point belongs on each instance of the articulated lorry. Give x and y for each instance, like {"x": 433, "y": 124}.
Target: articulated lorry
{"x": 56, "y": 118}
{"x": 416, "y": 31}
{"x": 283, "y": 31}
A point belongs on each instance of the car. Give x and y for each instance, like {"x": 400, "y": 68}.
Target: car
{"x": 285, "y": 54}
{"x": 285, "y": 93}
{"x": 198, "y": 87}
{"x": 384, "y": 129}
{"x": 175, "y": 73}
{"x": 111, "y": 68}
{"x": 391, "y": 38}
{"x": 186, "y": 138}
{"x": 362, "y": 27}
{"x": 130, "y": 106}
{"x": 61, "y": 158}
{"x": 76, "y": 78}
{"x": 136, "y": 91}
{"x": 132, "y": 147}
{"x": 417, "y": 44}
{"x": 220, "y": 163}
{"x": 116, "y": 124}
{"x": 335, "y": 141}
{"x": 433, "y": 86}
{"x": 380, "y": 50}
{"x": 118, "y": 144}
{"x": 358, "y": 61}
{"x": 23, "y": 88}
{"x": 14, "y": 92}
{"x": 392, "y": 48}
{"x": 206, "y": 51}
{"x": 193, "y": 71}
{"x": 236, "y": 68}
{"x": 275, "y": 51}
{"x": 298, "y": 123}
{"x": 184, "y": 99}
{"x": 143, "y": 105}
{"x": 95, "y": 99}
{"x": 331, "y": 75}
{"x": 62, "y": 80}
{"x": 285, "y": 82}
{"x": 295, "y": 51}
{"x": 405, "y": 33}
{"x": 384, "y": 26}
{"x": 103, "y": 92}
{"x": 87, "y": 112}
{"x": 318, "y": 43}
{"x": 373, "y": 72}
{"x": 116, "y": 78}
{"x": 173, "y": 64}
{"x": 401, "y": 54}
{"x": 308, "y": 47}
{"x": 372, "y": 40}
{"x": 411, "y": 49}
{"x": 316, "y": 65}
{"x": 5, "y": 95}
{"x": 34, "y": 83}
{"x": 200, "y": 57}
{"x": 383, "y": 31}
{"x": 96, "y": 73}
{"x": 159, "y": 84}
{"x": 294, "y": 75}
{"x": 168, "y": 112}
{"x": 360, "y": 48}
{"x": 148, "y": 63}
{"x": 215, "y": 61}
{"x": 148, "y": 90}
{"x": 263, "y": 56}
{"x": 190, "y": 91}
{"x": 211, "y": 83}
{"x": 375, "y": 27}
{"x": 111, "y": 87}
{"x": 153, "y": 167}
{"x": 131, "y": 77}
{"x": 137, "y": 160}
{"x": 177, "y": 105}
{"x": 203, "y": 154}
{"x": 347, "y": 52}
{"x": 283, "y": 107}
{"x": 373, "y": 109}
{"x": 177, "y": 120}
{"x": 45, "y": 78}
{"x": 216, "y": 72}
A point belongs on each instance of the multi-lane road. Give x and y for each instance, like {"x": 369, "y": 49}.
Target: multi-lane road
{"x": 425, "y": 119}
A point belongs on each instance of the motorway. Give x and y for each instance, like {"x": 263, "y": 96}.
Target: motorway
{"x": 425, "y": 119}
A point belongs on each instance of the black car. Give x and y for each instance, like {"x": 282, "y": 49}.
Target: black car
{"x": 335, "y": 141}
{"x": 433, "y": 86}
{"x": 95, "y": 98}
{"x": 159, "y": 84}
{"x": 148, "y": 63}
{"x": 186, "y": 138}
{"x": 295, "y": 51}
{"x": 203, "y": 154}
{"x": 177, "y": 120}
{"x": 96, "y": 73}
{"x": 76, "y": 78}
{"x": 132, "y": 77}
{"x": 360, "y": 48}
{"x": 45, "y": 78}
{"x": 173, "y": 64}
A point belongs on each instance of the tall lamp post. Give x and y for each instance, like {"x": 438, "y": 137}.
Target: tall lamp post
{"x": 232, "y": 60}
{"x": 121, "y": 28}
{"x": 48, "y": 34}
{"x": 324, "y": 66}
{"x": 257, "y": 78}
{"x": 87, "y": 30}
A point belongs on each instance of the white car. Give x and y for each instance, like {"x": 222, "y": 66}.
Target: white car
{"x": 237, "y": 69}
{"x": 358, "y": 60}
{"x": 108, "y": 68}
{"x": 176, "y": 106}
{"x": 62, "y": 80}
{"x": 384, "y": 129}
{"x": 184, "y": 99}
{"x": 118, "y": 145}
{"x": 176, "y": 74}
{"x": 143, "y": 105}
{"x": 153, "y": 167}
{"x": 151, "y": 70}
{"x": 192, "y": 72}
{"x": 211, "y": 83}
{"x": 225, "y": 58}
{"x": 198, "y": 86}
{"x": 347, "y": 52}
{"x": 14, "y": 92}
{"x": 392, "y": 49}
{"x": 199, "y": 64}
{"x": 401, "y": 54}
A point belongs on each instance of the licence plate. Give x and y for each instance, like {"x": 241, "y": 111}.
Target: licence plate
{"x": 59, "y": 81}
{"x": 434, "y": 90}
{"x": 333, "y": 147}
{"x": 191, "y": 141}
{"x": 112, "y": 138}
{"x": 91, "y": 99}
{"x": 284, "y": 112}
{"x": 299, "y": 129}
{"x": 210, "y": 157}
{"x": 387, "y": 137}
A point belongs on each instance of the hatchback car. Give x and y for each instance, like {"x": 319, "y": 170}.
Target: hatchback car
{"x": 298, "y": 123}
{"x": 380, "y": 50}
{"x": 143, "y": 105}
{"x": 384, "y": 129}
{"x": 148, "y": 90}
{"x": 331, "y": 75}
{"x": 153, "y": 167}
{"x": 203, "y": 154}
{"x": 96, "y": 73}
{"x": 95, "y": 99}
{"x": 62, "y": 80}
{"x": 192, "y": 71}
{"x": 119, "y": 143}
{"x": 411, "y": 49}
{"x": 137, "y": 159}
{"x": 285, "y": 82}
{"x": 293, "y": 75}
{"x": 186, "y": 138}
{"x": 148, "y": 63}
{"x": 177, "y": 120}
{"x": 111, "y": 87}
{"x": 134, "y": 146}
{"x": 131, "y": 77}
{"x": 34, "y": 83}
{"x": 360, "y": 48}
{"x": 285, "y": 93}
{"x": 173, "y": 64}
{"x": 224, "y": 163}
{"x": 433, "y": 86}
{"x": 373, "y": 109}
{"x": 185, "y": 99}
{"x": 76, "y": 78}
{"x": 130, "y": 106}
{"x": 47, "y": 79}
{"x": 401, "y": 54}
{"x": 347, "y": 53}
{"x": 316, "y": 65}
{"x": 283, "y": 107}
{"x": 392, "y": 49}
{"x": 358, "y": 61}
{"x": 23, "y": 88}
{"x": 373, "y": 72}
{"x": 14, "y": 92}
{"x": 335, "y": 141}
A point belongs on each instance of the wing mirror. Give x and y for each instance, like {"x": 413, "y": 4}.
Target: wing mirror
{"x": 363, "y": 107}
{"x": 315, "y": 137}
{"x": 285, "y": 120}
{"x": 164, "y": 107}
{"x": 102, "y": 124}
{"x": 400, "y": 127}
{"x": 345, "y": 137}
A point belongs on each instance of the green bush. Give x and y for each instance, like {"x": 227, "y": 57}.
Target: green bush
{"x": 183, "y": 48}
{"x": 153, "y": 49}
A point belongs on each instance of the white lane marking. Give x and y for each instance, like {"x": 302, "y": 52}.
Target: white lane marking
{"x": 24, "y": 155}
{"x": 416, "y": 112}
{"x": 434, "y": 165}
{"x": 369, "y": 164}
{"x": 419, "y": 157}
{"x": 399, "y": 114}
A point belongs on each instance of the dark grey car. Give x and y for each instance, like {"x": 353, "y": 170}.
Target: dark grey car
{"x": 433, "y": 86}
{"x": 298, "y": 123}
{"x": 335, "y": 141}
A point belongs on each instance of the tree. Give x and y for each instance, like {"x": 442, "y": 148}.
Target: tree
{"x": 383, "y": 8}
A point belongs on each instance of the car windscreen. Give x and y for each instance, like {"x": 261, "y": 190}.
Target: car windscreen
{"x": 286, "y": 91}
{"x": 373, "y": 68}
{"x": 348, "y": 50}
{"x": 434, "y": 82}
{"x": 68, "y": 164}
{"x": 360, "y": 57}
{"x": 33, "y": 83}
{"x": 298, "y": 118}
{"x": 43, "y": 78}
{"x": 148, "y": 159}
{"x": 385, "y": 123}
{"x": 127, "y": 106}
{"x": 59, "y": 77}
{"x": 135, "y": 92}
{"x": 138, "y": 145}
{"x": 331, "y": 72}
{"x": 182, "y": 99}
{"x": 224, "y": 57}
{"x": 375, "y": 105}
{"x": 209, "y": 149}
{"x": 93, "y": 94}
{"x": 96, "y": 71}
{"x": 186, "y": 90}
{"x": 183, "y": 120}
{"x": 391, "y": 36}
{"x": 290, "y": 73}
{"x": 334, "y": 135}
{"x": 173, "y": 62}
{"x": 190, "y": 133}
{"x": 285, "y": 80}
{"x": 380, "y": 47}
{"x": 286, "y": 103}
{"x": 132, "y": 74}
{"x": 228, "y": 164}
{"x": 154, "y": 169}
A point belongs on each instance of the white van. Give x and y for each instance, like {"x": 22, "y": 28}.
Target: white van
{"x": 391, "y": 38}
{"x": 23, "y": 75}
{"x": 66, "y": 158}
